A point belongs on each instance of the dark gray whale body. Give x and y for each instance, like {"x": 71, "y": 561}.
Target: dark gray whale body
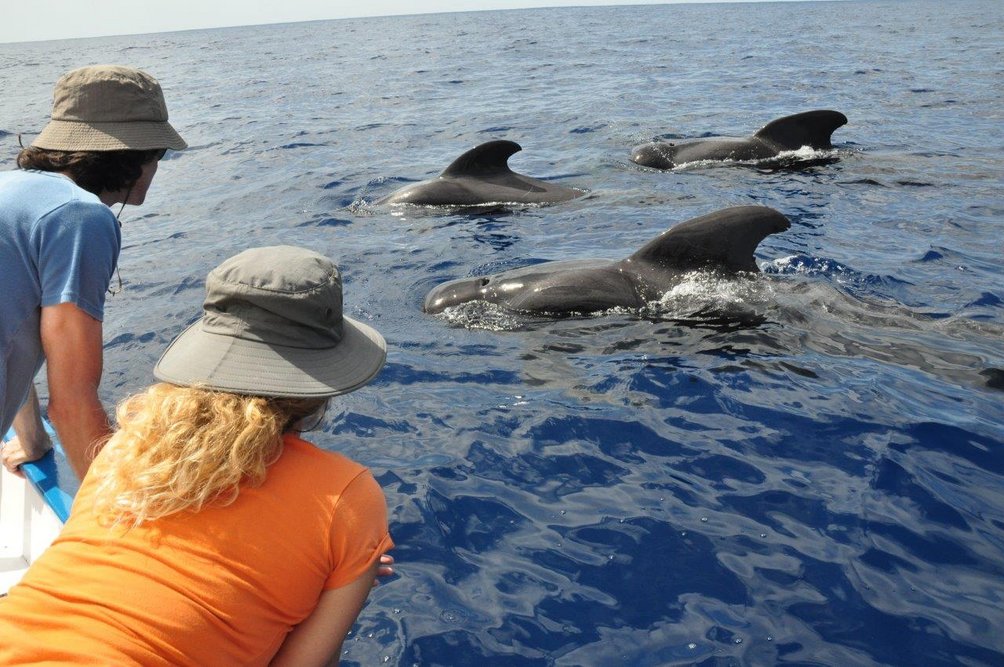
{"x": 722, "y": 241}
{"x": 482, "y": 176}
{"x": 811, "y": 128}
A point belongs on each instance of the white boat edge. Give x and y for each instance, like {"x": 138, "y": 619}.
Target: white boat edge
{"x": 30, "y": 509}
{"x": 29, "y": 527}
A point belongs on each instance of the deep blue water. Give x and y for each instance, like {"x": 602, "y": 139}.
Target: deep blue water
{"x": 812, "y": 475}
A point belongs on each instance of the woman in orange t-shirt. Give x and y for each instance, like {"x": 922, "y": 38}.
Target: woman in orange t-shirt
{"x": 206, "y": 531}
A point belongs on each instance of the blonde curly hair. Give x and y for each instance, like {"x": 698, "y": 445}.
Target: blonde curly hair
{"x": 182, "y": 448}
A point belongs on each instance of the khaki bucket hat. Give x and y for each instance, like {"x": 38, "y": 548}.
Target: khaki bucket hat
{"x": 108, "y": 108}
{"x": 273, "y": 326}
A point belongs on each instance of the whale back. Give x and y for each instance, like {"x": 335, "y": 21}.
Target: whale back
{"x": 723, "y": 241}
{"x": 482, "y": 176}
{"x": 488, "y": 159}
{"x": 811, "y": 128}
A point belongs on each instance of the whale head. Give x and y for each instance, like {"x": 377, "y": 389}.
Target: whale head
{"x": 656, "y": 155}
{"x": 456, "y": 292}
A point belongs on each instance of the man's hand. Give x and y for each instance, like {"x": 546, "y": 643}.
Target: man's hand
{"x": 31, "y": 442}
{"x": 14, "y": 453}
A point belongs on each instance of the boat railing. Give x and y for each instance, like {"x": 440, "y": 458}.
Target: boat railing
{"x": 33, "y": 509}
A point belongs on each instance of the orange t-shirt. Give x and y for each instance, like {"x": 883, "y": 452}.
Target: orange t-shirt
{"x": 218, "y": 587}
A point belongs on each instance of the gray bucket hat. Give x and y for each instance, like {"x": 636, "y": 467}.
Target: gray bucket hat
{"x": 108, "y": 108}
{"x": 273, "y": 326}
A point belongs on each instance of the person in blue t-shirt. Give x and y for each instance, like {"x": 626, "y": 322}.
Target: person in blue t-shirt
{"x": 59, "y": 247}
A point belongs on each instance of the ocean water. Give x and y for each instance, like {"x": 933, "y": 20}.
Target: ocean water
{"x": 801, "y": 469}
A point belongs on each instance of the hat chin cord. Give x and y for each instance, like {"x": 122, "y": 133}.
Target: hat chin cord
{"x": 118, "y": 275}
{"x": 311, "y": 421}
{"x": 122, "y": 208}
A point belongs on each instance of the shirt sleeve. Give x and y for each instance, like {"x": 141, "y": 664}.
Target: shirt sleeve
{"x": 359, "y": 533}
{"x": 77, "y": 251}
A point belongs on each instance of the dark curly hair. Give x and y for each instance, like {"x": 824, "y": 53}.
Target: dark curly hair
{"x": 94, "y": 171}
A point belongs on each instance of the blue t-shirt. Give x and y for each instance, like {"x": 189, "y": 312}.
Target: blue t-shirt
{"x": 58, "y": 244}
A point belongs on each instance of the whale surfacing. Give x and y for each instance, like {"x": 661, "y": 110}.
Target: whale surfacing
{"x": 723, "y": 242}
{"x": 482, "y": 176}
{"x": 811, "y": 128}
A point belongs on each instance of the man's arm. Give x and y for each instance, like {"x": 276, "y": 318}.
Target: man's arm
{"x": 31, "y": 442}
{"x": 71, "y": 340}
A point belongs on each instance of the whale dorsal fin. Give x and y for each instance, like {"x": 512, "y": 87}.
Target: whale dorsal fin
{"x": 489, "y": 158}
{"x": 723, "y": 241}
{"x": 812, "y": 128}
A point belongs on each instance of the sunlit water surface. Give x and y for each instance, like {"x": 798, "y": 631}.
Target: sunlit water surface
{"x": 802, "y": 468}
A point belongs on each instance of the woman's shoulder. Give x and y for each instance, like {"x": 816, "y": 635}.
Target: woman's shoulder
{"x": 327, "y": 481}
{"x": 310, "y": 460}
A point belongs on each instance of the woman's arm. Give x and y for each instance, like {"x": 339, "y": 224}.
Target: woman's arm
{"x": 317, "y": 640}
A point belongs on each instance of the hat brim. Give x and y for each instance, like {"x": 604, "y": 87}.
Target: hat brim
{"x": 66, "y": 135}
{"x": 240, "y": 366}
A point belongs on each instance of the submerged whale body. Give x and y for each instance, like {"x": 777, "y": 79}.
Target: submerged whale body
{"x": 811, "y": 128}
{"x": 723, "y": 241}
{"x": 482, "y": 176}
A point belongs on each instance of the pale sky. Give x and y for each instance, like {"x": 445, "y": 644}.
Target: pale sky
{"x": 38, "y": 20}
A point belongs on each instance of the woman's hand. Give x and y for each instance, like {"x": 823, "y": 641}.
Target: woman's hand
{"x": 384, "y": 568}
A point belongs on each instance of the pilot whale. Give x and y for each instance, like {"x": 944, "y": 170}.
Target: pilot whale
{"x": 482, "y": 176}
{"x": 722, "y": 242}
{"x": 811, "y": 128}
